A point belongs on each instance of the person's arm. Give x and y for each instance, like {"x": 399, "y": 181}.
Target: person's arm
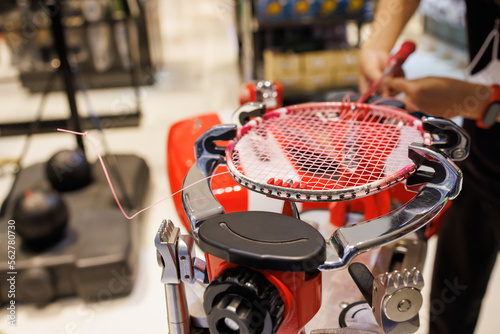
{"x": 443, "y": 96}
{"x": 390, "y": 18}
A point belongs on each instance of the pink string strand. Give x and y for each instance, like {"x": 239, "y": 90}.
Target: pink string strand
{"x": 86, "y": 134}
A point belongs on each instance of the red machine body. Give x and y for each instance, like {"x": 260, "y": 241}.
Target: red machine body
{"x": 180, "y": 157}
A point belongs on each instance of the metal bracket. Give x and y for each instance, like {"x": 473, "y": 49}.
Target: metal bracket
{"x": 448, "y": 137}
{"x": 246, "y": 112}
{"x": 198, "y": 201}
{"x": 206, "y": 145}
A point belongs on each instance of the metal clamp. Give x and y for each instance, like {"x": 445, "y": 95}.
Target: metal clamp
{"x": 246, "y": 112}
{"x": 448, "y": 137}
{"x": 267, "y": 93}
{"x": 397, "y": 298}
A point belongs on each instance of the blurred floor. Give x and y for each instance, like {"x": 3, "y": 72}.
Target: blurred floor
{"x": 200, "y": 74}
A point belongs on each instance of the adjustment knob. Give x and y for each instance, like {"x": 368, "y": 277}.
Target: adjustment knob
{"x": 41, "y": 218}
{"x": 68, "y": 170}
{"x": 243, "y": 301}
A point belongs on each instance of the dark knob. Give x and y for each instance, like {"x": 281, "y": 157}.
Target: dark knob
{"x": 41, "y": 218}
{"x": 68, "y": 170}
{"x": 243, "y": 301}
{"x": 36, "y": 286}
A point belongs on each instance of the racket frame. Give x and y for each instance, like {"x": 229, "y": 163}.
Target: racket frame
{"x": 286, "y": 192}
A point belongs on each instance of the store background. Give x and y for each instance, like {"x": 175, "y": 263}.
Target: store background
{"x": 199, "y": 73}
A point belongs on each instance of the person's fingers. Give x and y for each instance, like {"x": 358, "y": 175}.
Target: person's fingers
{"x": 410, "y": 90}
{"x": 363, "y": 83}
{"x": 398, "y": 85}
{"x": 388, "y": 91}
{"x": 371, "y": 68}
{"x": 398, "y": 73}
{"x": 371, "y": 71}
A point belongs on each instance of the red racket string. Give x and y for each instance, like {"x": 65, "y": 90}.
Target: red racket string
{"x": 427, "y": 136}
{"x": 110, "y": 183}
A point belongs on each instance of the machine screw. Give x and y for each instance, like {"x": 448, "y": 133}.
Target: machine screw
{"x": 458, "y": 153}
{"x": 404, "y": 305}
{"x": 343, "y": 305}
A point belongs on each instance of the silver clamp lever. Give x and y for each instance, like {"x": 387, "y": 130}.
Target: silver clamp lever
{"x": 175, "y": 254}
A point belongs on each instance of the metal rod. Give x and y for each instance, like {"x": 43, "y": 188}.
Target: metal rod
{"x": 177, "y": 309}
{"x": 55, "y": 9}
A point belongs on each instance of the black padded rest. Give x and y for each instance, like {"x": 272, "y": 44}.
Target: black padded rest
{"x": 263, "y": 240}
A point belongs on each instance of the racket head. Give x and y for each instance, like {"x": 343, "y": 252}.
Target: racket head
{"x": 324, "y": 152}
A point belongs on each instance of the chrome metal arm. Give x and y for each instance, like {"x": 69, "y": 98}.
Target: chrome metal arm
{"x": 197, "y": 198}
{"x": 348, "y": 242}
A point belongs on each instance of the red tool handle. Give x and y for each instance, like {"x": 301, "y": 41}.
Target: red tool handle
{"x": 397, "y": 59}
{"x": 395, "y": 62}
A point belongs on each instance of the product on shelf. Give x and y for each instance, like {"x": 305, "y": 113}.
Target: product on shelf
{"x": 310, "y": 71}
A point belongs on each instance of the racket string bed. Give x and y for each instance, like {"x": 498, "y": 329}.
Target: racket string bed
{"x": 339, "y": 149}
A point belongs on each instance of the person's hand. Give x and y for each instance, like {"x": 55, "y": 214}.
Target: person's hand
{"x": 373, "y": 62}
{"x": 442, "y": 96}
